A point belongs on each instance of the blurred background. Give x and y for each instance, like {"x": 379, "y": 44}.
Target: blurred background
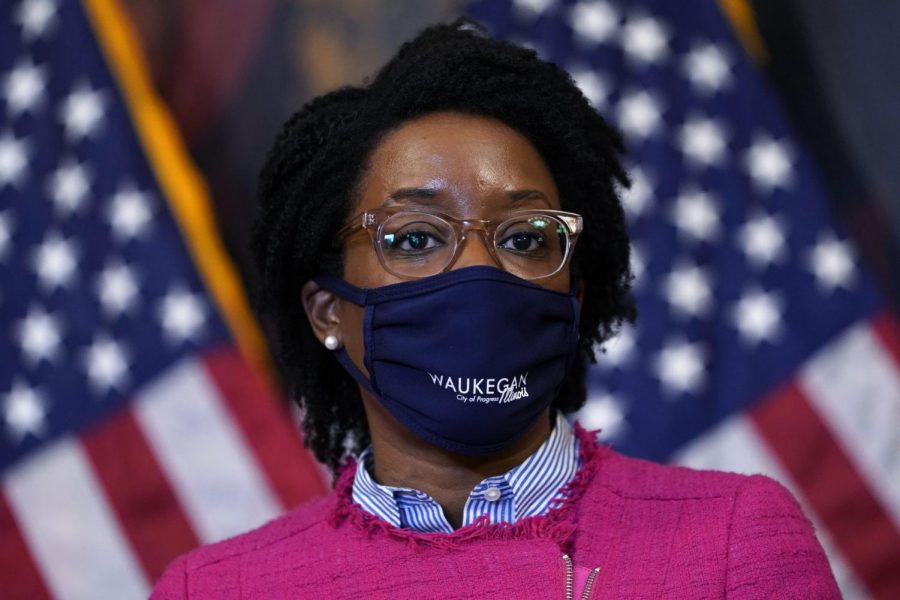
{"x": 232, "y": 72}
{"x": 765, "y": 213}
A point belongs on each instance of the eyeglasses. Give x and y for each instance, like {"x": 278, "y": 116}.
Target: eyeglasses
{"x": 531, "y": 244}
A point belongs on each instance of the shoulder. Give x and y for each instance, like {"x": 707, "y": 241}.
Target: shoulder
{"x": 749, "y": 527}
{"x": 636, "y": 479}
{"x": 291, "y": 525}
{"x": 753, "y": 505}
{"x": 641, "y": 479}
{"x": 213, "y": 564}
{"x": 736, "y": 496}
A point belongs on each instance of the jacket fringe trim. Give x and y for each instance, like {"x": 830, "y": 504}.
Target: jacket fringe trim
{"x": 558, "y": 524}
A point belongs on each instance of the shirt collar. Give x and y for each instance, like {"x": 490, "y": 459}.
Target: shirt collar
{"x": 532, "y": 482}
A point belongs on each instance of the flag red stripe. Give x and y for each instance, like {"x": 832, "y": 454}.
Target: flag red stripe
{"x": 138, "y": 491}
{"x": 19, "y": 575}
{"x": 853, "y": 516}
{"x": 887, "y": 329}
{"x": 266, "y": 424}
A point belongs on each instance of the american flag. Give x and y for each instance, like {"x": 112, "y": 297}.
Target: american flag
{"x": 761, "y": 343}
{"x": 135, "y": 419}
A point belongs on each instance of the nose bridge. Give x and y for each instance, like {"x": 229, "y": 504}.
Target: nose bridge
{"x": 475, "y": 252}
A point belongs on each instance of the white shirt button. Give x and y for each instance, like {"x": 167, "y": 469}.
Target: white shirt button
{"x": 492, "y": 494}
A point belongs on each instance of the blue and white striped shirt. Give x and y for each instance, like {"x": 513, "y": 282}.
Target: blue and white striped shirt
{"x": 523, "y": 491}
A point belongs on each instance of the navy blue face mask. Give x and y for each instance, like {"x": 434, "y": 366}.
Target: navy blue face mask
{"x": 468, "y": 359}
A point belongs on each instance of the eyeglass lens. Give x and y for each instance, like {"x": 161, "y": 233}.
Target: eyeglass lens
{"x": 420, "y": 244}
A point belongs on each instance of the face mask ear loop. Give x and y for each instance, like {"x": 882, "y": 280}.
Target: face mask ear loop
{"x": 345, "y": 290}
{"x": 356, "y": 295}
{"x": 345, "y": 360}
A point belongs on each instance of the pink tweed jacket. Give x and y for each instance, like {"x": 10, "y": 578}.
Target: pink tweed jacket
{"x": 624, "y": 528}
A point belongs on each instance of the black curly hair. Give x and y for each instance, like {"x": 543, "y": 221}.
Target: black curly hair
{"x": 309, "y": 185}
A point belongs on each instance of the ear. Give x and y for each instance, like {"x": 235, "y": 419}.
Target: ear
{"x": 321, "y": 307}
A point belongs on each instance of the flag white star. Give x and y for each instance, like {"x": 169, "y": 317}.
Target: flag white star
{"x": 5, "y": 232}
{"x": 606, "y": 412}
{"x": 23, "y": 87}
{"x": 68, "y": 187}
{"x": 39, "y": 335}
{"x": 55, "y": 261}
{"x": 617, "y": 350}
{"x": 638, "y": 263}
{"x": 680, "y": 367}
{"x": 532, "y": 8}
{"x": 117, "y": 289}
{"x": 762, "y": 238}
{"x": 129, "y": 212}
{"x": 13, "y": 159}
{"x": 82, "y": 111}
{"x": 182, "y": 315}
{"x": 769, "y": 163}
{"x": 703, "y": 141}
{"x": 593, "y": 21}
{"x": 757, "y": 316}
{"x": 593, "y": 86}
{"x": 36, "y": 17}
{"x": 25, "y": 411}
{"x": 695, "y": 215}
{"x": 639, "y": 114}
{"x": 106, "y": 364}
{"x": 637, "y": 198}
{"x": 831, "y": 261}
{"x": 645, "y": 40}
{"x": 687, "y": 289}
{"x": 708, "y": 68}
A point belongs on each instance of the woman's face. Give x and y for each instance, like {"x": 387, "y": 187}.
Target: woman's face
{"x": 473, "y": 167}
{"x": 468, "y": 167}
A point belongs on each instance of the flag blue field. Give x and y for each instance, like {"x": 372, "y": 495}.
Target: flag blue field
{"x": 761, "y": 343}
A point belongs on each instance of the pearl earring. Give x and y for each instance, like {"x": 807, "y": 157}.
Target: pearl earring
{"x": 331, "y": 342}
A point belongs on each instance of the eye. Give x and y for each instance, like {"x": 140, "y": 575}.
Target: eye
{"x": 523, "y": 241}
{"x": 411, "y": 241}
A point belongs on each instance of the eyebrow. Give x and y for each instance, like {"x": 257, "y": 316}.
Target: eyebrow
{"x": 415, "y": 192}
{"x": 516, "y": 195}
{"x": 404, "y": 193}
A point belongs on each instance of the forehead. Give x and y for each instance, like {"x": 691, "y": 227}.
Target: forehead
{"x": 459, "y": 156}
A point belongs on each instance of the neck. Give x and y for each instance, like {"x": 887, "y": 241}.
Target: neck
{"x": 403, "y": 459}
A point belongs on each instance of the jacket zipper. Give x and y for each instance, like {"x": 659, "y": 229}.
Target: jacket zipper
{"x": 570, "y": 577}
{"x": 589, "y": 583}
{"x": 570, "y": 580}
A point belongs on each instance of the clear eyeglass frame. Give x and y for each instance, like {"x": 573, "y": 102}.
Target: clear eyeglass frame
{"x": 373, "y": 221}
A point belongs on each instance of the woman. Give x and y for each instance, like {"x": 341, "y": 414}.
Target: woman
{"x": 440, "y": 250}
